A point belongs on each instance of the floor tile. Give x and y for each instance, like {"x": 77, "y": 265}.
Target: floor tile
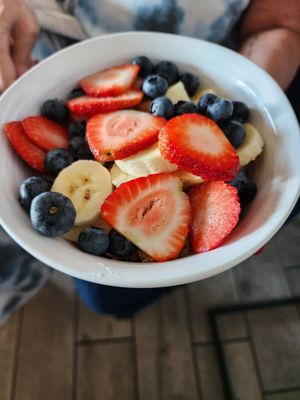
{"x": 287, "y": 240}
{"x": 105, "y": 372}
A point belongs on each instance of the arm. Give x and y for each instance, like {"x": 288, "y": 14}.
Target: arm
{"x": 270, "y": 37}
{"x": 18, "y": 33}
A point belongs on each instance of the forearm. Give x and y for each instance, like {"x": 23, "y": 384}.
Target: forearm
{"x": 277, "y": 51}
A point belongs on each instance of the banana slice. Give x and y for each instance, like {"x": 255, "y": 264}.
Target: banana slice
{"x": 252, "y": 145}
{"x": 202, "y": 92}
{"x": 87, "y": 184}
{"x": 145, "y": 162}
{"x": 75, "y": 231}
{"x": 177, "y": 92}
{"x": 188, "y": 179}
{"x": 118, "y": 176}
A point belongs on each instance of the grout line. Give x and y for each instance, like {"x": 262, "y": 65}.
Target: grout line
{"x": 280, "y": 391}
{"x": 75, "y": 350}
{"x": 191, "y": 336}
{"x": 135, "y": 359}
{"x": 106, "y": 341}
{"x": 158, "y": 350}
{"x": 16, "y": 354}
{"x": 223, "y": 341}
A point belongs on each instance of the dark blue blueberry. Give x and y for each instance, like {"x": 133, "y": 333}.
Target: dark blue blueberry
{"x": 184, "y": 107}
{"x": 80, "y": 149}
{"x": 52, "y": 214}
{"x": 240, "y": 112}
{"x": 56, "y": 110}
{"x": 155, "y": 86}
{"x": 191, "y": 83}
{"x": 235, "y": 133}
{"x": 146, "y": 66}
{"x": 162, "y": 107}
{"x": 77, "y": 92}
{"x": 77, "y": 128}
{"x": 30, "y": 188}
{"x": 220, "y": 110}
{"x": 93, "y": 241}
{"x": 204, "y": 101}
{"x": 246, "y": 188}
{"x": 119, "y": 246}
{"x": 167, "y": 70}
{"x": 57, "y": 160}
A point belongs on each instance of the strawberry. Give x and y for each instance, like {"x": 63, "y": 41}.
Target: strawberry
{"x": 89, "y": 106}
{"x": 111, "y": 81}
{"x": 196, "y": 144}
{"x": 215, "y": 212}
{"x": 44, "y": 133}
{"x": 152, "y": 212}
{"x": 31, "y": 154}
{"x": 119, "y": 134}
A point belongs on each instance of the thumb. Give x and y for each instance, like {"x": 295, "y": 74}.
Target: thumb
{"x": 26, "y": 34}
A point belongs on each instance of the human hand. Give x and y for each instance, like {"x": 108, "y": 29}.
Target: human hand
{"x": 19, "y": 30}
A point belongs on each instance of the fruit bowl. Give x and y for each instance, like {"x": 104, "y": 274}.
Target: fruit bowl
{"x": 276, "y": 172}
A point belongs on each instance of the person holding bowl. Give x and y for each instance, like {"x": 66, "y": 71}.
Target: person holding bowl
{"x": 267, "y": 32}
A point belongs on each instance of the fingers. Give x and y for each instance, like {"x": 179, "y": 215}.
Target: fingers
{"x": 26, "y": 34}
{"x": 7, "y": 68}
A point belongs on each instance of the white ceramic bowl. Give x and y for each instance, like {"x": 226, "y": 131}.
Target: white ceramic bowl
{"x": 277, "y": 173}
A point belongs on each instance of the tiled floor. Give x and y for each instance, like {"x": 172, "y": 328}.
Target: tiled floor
{"x": 56, "y": 349}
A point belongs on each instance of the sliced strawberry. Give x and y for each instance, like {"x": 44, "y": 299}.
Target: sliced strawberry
{"x": 89, "y": 106}
{"x": 152, "y": 212}
{"x": 119, "y": 134}
{"x": 197, "y": 145}
{"x": 31, "y": 154}
{"x": 215, "y": 212}
{"x": 111, "y": 81}
{"x": 45, "y": 133}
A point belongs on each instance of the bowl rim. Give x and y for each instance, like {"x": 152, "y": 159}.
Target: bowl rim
{"x": 105, "y": 272}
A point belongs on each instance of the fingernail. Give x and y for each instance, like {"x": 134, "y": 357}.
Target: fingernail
{"x": 21, "y": 69}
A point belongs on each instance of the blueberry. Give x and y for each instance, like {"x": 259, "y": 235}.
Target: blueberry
{"x": 167, "y": 70}
{"x": 240, "y": 112}
{"x": 56, "y": 110}
{"x": 154, "y": 86}
{"x": 119, "y": 246}
{"x": 204, "y": 101}
{"x": 191, "y": 83}
{"x": 162, "y": 107}
{"x": 52, "y": 214}
{"x": 30, "y": 188}
{"x": 220, "y": 110}
{"x": 77, "y": 92}
{"x": 93, "y": 241}
{"x": 235, "y": 133}
{"x": 246, "y": 188}
{"x": 80, "y": 149}
{"x": 146, "y": 66}
{"x": 77, "y": 128}
{"x": 57, "y": 160}
{"x": 184, "y": 107}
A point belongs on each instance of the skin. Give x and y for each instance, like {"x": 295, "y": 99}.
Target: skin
{"x": 269, "y": 32}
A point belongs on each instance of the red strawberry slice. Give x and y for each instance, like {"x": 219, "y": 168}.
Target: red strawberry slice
{"x": 119, "y": 134}
{"x": 215, "y": 212}
{"x": 45, "y": 133}
{"x": 152, "y": 212}
{"x": 196, "y": 144}
{"x": 110, "y": 81}
{"x": 89, "y": 106}
{"x": 31, "y": 154}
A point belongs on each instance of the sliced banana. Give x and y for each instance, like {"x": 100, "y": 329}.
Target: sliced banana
{"x": 202, "y": 92}
{"x": 118, "y": 176}
{"x": 252, "y": 145}
{"x": 75, "y": 231}
{"x": 87, "y": 184}
{"x": 177, "y": 93}
{"x": 145, "y": 162}
{"x": 188, "y": 179}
